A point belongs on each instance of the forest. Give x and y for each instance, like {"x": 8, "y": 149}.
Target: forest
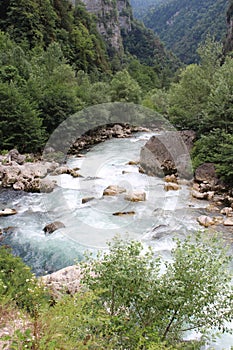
{"x": 183, "y": 24}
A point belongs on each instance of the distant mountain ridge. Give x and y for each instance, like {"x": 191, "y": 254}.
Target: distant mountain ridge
{"x": 183, "y": 24}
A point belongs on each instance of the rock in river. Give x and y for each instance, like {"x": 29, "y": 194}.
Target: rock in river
{"x": 7, "y": 212}
{"x": 53, "y": 226}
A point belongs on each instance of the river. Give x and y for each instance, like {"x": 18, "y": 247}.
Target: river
{"x": 164, "y": 214}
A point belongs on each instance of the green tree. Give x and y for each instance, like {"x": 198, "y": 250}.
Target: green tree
{"x": 192, "y": 293}
{"x": 188, "y": 98}
{"x": 18, "y": 284}
{"x": 215, "y": 147}
{"x": 20, "y": 125}
{"x": 23, "y": 22}
{"x": 124, "y": 88}
{"x": 219, "y": 109}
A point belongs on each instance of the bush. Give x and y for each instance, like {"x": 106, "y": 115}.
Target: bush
{"x": 18, "y": 284}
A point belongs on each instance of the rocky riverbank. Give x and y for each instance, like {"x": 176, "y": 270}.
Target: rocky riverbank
{"x": 28, "y": 173}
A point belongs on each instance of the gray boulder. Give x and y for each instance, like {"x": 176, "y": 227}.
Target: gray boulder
{"x": 166, "y": 154}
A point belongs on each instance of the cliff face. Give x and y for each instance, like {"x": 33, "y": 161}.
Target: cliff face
{"x": 113, "y": 16}
{"x": 228, "y": 45}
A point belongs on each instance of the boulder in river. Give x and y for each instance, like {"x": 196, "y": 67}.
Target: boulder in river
{"x": 87, "y": 199}
{"x": 199, "y": 195}
{"x": 171, "y": 178}
{"x": 171, "y": 186}
{"x": 123, "y": 213}
{"x": 53, "y": 226}
{"x": 7, "y": 212}
{"x": 228, "y": 222}
{"x": 205, "y": 221}
{"x": 228, "y": 211}
{"x": 166, "y": 154}
{"x": 113, "y": 190}
{"x": 135, "y": 196}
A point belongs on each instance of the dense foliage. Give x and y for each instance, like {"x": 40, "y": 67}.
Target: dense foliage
{"x": 202, "y": 100}
{"x": 54, "y": 63}
{"x": 183, "y": 24}
{"x": 130, "y": 299}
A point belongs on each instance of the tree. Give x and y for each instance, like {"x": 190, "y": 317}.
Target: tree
{"x": 23, "y": 22}
{"x": 124, "y": 88}
{"x": 219, "y": 109}
{"x": 215, "y": 147}
{"x": 188, "y": 98}
{"x": 147, "y": 304}
{"x": 20, "y": 125}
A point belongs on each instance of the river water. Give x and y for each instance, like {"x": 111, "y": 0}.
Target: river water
{"x": 89, "y": 226}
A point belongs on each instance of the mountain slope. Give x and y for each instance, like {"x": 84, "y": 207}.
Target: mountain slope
{"x": 183, "y": 24}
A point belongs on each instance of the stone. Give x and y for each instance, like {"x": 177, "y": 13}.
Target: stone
{"x": 47, "y": 186}
{"x": 7, "y": 212}
{"x": 15, "y": 156}
{"x": 205, "y": 221}
{"x": 87, "y": 199}
{"x": 74, "y": 173}
{"x": 171, "y": 186}
{"x": 166, "y": 154}
{"x": 64, "y": 281}
{"x": 122, "y": 213}
{"x": 171, "y": 178}
{"x": 117, "y": 131}
{"x": 199, "y": 195}
{"x": 228, "y": 222}
{"x": 50, "y": 228}
{"x": 133, "y": 162}
{"x": 113, "y": 190}
{"x": 135, "y": 196}
{"x": 61, "y": 170}
{"x": 210, "y": 195}
{"x": 218, "y": 220}
{"x": 227, "y": 211}
{"x": 212, "y": 208}
{"x": 19, "y": 186}
{"x": 206, "y": 172}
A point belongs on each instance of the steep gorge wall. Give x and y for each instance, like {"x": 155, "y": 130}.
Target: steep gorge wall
{"x": 113, "y": 16}
{"x": 228, "y": 45}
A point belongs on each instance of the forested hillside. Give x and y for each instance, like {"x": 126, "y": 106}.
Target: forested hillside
{"x": 53, "y": 62}
{"x": 140, "y": 6}
{"x": 183, "y": 24}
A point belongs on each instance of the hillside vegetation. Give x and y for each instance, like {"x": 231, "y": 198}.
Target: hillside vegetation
{"x": 53, "y": 62}
{"x": 183, "y": 24}
{"x": 124, "y": 301}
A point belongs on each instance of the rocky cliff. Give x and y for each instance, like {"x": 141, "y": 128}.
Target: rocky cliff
{"x": 228, "y": 45}
{"x": 113, "y": 16}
